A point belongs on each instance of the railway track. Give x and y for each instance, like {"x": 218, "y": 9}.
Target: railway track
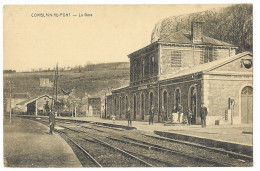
{"x": 89, "y": 160}
{"x": 130, "y": 159}
{"x": 218, "y": 150}
{"x": 153, "y": 149}
{"x": 202, "y": 161}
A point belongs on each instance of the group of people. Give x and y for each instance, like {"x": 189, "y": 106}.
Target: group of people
{"x": 164, "y": 117}
{"x": 129, "y": 118}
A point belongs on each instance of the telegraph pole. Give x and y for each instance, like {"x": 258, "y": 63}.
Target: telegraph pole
{"x": 10, "y": 101}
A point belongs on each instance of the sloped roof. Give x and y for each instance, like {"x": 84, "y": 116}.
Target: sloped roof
{"x": 206, "y": 67}
{"x": 33, "y": 99}
{"x": 184, "y": 37}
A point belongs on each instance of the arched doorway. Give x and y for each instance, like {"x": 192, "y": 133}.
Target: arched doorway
{"x": 120, "y": 107}
{"x": 135, "y": 106}
{"x": 151, "y": 99}
{"x": 177, "y": 98}
{"x": 115, "y": 106}
{"x": 165, "y": 104}
{"x": 126, "y": 104}
{"x": 193, "y": 103}
{"x": 247, "y": 105}
{"x": 142, "y": 106}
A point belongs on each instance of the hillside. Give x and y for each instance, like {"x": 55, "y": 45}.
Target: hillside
{"x": 93, "y": 79}
{"x": 233, "y": 24}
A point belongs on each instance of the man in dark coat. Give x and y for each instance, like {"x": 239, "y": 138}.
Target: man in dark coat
{"x": 51, "y": 121}
{"x": 128, "y": 115}
{"x": 151, "y": 113}
{"x": 203, "y": 114}
{"x": 189, "y": 116}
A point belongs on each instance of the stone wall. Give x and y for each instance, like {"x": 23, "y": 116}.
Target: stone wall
{"x": 219, "y": 89}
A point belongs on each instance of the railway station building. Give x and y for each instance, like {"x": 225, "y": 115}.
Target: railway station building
{"x": 187, "y": 68}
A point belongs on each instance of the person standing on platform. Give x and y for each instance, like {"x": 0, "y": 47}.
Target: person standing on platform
{"x": 128, "y": 114}
{"x": 51, "y": 121}
{"x": 189, "y": 116}
{"x": 151, "y": 113}
{"x": 203, "y": 115}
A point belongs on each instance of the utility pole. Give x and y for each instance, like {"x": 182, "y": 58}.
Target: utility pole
{"x": 10, "y": 101}
{"x": 55, "y": 88}
{"x": 105, "y": 104}
{"x": 56, "y": 78}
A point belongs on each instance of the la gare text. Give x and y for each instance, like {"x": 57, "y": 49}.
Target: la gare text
{"x": 61, "y": 15}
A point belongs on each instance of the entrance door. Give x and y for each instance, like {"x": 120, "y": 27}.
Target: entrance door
{"x": 142, "y": 106}
{"x": 193, "y": 104}
{"x": 151, "y": 99}
{"x": 126, "y": 105}
{"x": 135, "y": 107}
{"x": 120, "y": 107}
{"x": 115, "y": 107}
{"x": 165, "y": 104}
{"x": 177, "y": 98}
{"x": 247, "y": 105}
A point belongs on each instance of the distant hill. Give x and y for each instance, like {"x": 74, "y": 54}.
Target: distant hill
{"x": 93, "y": 79}
{"x": 233, "y": 24}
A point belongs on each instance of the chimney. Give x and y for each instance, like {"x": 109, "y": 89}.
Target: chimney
{"x": 196, "y": 31}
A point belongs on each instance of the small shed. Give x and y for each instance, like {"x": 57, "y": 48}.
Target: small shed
{"x": 36, "y": 105}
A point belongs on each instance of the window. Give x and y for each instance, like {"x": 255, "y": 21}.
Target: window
{"x": 247, "y": 63}
{"x": 202, "y": 57}
{"x": 176, "y": 58}
{"x": 151, "y": 65}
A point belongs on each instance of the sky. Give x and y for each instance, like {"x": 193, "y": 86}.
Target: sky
{"x": 109, "y": 35}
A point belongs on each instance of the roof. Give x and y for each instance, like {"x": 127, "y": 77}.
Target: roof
{"x": 119, "y": 88}
{"x": 206, "y": 67}
{"x": 33, "y": 99}
{"x": 184, "y": 37}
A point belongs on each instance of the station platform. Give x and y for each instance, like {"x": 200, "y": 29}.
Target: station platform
{"x": 28, "y": 144}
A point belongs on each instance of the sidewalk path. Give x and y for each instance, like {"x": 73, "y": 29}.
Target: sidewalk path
{"x": 28, "y": 144}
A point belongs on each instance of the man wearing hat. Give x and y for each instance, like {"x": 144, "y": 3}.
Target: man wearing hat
{"x": 203, "y": 114}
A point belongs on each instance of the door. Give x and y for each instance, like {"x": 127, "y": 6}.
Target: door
{"x": 165, "y": 104}
{"x": 193, "y": 104}
{"x": 247, "y": 105}
{"x": 135, "y": 106}
{"x": 142, "y": 106}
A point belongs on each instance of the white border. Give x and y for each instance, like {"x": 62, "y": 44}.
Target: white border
{"x": 256, "y": 38}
